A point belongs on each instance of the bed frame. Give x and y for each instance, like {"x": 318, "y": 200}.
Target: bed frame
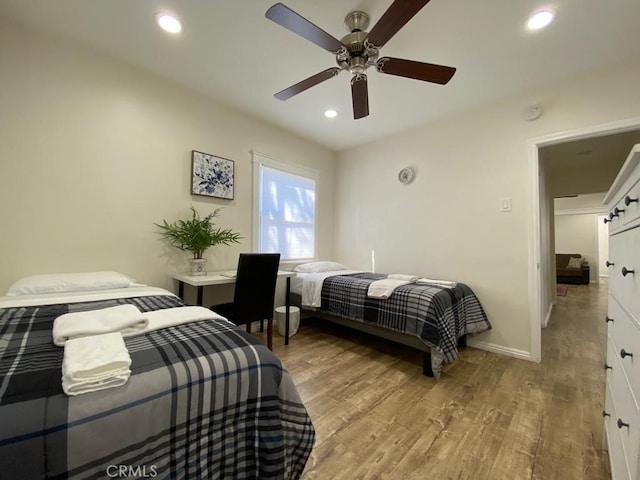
{"x": 397, "y": 337}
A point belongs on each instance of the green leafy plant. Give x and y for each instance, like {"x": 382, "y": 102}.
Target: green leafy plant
{"x": 197, "y": 234}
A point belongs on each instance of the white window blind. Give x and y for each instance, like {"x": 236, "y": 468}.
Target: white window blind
{"x": 286, "y": 212}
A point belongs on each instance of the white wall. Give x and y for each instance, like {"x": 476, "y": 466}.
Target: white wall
{"x": 93, "y": 152}
{"x": 446, "y": 224}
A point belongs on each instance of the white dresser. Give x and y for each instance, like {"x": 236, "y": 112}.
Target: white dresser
{"x": 622, "y": 404}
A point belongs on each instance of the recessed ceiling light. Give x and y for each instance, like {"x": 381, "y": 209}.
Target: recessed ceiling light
{"x": 168, "y": 23}
{"x": 330, "y": 113}
{"x": 540, "y": 19}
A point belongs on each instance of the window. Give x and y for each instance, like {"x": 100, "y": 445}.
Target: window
{"x": 284, "y": 209}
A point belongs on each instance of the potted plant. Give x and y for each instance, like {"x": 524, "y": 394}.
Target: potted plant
{"x": 196, "y": 235}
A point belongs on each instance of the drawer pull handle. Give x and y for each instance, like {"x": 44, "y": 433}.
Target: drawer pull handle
{"x": 608, "y": 319}
{"x": 607, "y": 367}
{"x": 622, "y": 424}
{"x": 606, "y": 220}
{"x": 619, "y": 210}
{"x": 624, "y": 353}
{"x": 626, "y": 271}
{"x": 609, "y": 264}
{"x": 605, "y": 414}
{"x": 628, "y": 200}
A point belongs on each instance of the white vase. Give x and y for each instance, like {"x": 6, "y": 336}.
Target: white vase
{"x": 198, "y": 266}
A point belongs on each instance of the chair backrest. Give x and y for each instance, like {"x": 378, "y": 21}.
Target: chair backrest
{"x": 255, "y": 286}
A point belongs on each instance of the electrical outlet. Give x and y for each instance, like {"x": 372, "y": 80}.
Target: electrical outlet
{"x": 505, "y": 204}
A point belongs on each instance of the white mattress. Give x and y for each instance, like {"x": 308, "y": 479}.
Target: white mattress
{"x": 309, "y": 285}
{"x": 73, "y": 297}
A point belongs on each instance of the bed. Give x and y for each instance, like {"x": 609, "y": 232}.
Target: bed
{"x": 434, "y": 317}
{"x": 204, "y": 400}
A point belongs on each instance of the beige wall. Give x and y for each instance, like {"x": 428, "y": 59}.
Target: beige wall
{"x": 93, "y": 152}
{"x": 447, "y": 224}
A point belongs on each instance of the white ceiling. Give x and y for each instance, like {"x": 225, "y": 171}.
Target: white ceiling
{"x": 588, "y": 165}
{"x": 594, "y": 152}
{"x": 231, "y": 52}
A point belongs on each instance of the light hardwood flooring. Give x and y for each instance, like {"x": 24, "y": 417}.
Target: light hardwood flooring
{"x": 489, "y": 417}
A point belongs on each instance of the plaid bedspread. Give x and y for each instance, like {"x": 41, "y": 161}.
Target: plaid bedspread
{"x": 436, "y": 315}
{"x": 205, "y": 400}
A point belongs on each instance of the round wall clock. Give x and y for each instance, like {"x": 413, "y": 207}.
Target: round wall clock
{"x": 405, "y": 176}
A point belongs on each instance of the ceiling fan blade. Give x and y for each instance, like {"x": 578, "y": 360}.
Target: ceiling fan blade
{"x": 396, "y": 17}
{"x": 307, "y": 83}
{"x": 360, "y": 96}
{"x": 287, "y": 18}
{"x": 427, "y": 72}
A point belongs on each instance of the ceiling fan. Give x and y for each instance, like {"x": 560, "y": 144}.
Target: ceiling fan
{"x": 359, "y": 50}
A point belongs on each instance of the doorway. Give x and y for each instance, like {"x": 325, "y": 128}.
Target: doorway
{"x": 541, "y": 268}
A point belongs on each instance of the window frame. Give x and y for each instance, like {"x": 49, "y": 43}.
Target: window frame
{"x": 259, "y": 160}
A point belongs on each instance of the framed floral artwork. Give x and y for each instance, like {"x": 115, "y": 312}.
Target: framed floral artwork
{"x": 211, "y": 176}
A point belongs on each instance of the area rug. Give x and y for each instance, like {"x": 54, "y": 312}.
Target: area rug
{"x": 562, "y": 290}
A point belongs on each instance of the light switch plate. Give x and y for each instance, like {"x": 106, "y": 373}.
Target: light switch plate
{"x": 505, "y": 204}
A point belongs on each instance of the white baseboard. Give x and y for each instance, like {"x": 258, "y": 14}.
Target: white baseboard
{"x": 511, "y": 352}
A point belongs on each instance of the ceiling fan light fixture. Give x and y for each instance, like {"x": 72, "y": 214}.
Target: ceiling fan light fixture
{"x": 168, "y": 23}
{"x": 330, "y": 113}
{"x": 540, "y": 19}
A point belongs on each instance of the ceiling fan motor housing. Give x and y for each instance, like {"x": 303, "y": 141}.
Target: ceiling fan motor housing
{"x": 358, "y": 56}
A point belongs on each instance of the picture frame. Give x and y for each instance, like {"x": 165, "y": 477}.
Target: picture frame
{"x": 212, "y": 176}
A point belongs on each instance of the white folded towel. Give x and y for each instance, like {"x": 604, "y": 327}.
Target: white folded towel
{"x": 384, "y": 288}
{"x": 95, "y": 362}
{"x": 170, "y": 317}
{"x": 399, "y": 276}
{"x": 76, "y": 388}
{"x": 438, "y": 283}
{"x": 125, "y": 319}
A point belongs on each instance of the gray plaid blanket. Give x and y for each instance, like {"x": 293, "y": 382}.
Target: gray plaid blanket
{"x": 436, "y": 315}
{"x": 205, "y": 400}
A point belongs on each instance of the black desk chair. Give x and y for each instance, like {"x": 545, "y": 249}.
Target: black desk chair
{"x": 254, "y": 292}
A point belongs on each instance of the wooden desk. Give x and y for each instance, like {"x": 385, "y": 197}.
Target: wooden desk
{"x": 215, "y": 278}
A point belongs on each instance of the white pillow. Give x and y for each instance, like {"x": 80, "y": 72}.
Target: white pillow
{"x": 316, "y": 267}
{"x": 70, "y": 282}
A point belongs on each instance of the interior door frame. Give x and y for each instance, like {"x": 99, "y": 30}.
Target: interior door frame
{"x": 602, "y": 255}
{"x": 537, "y": 311}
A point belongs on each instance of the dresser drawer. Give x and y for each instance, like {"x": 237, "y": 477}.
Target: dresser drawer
{"x": 625, "y": 255}
{"x": 624, "y": 196}
{"x": 626, "y": 419}
{"x": 617, "y": 460}
{"x": 626, "y": 209}
{"x": 624, "y": 334}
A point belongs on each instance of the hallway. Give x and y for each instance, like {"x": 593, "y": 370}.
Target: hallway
{"x": 573, "y": 356}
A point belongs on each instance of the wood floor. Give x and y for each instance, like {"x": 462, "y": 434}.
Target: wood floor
{"x": 490, "y": 417}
